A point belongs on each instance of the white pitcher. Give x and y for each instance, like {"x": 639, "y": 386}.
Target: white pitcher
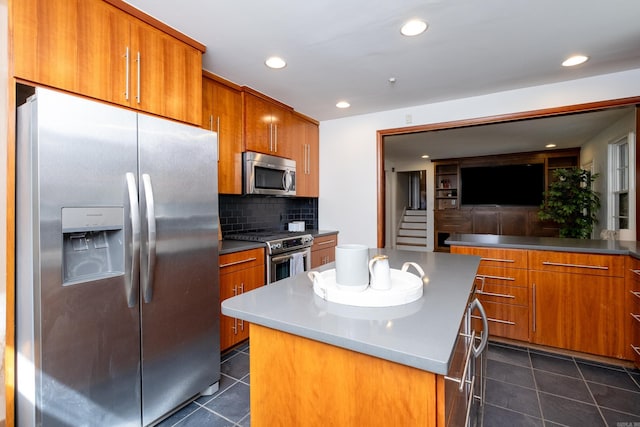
{"x": 380, "y": 273}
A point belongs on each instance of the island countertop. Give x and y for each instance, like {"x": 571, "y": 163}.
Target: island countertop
{"x": 610, "y": 247}
{"x": 421, "y": 334}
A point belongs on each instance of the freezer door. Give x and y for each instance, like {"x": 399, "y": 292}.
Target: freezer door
{"x": 77, "y": 337}
{"x": 179, "y": 264}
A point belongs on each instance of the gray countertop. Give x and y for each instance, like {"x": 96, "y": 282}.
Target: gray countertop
{"x": 421, "y": 334}
{"x": 611, "y": 247}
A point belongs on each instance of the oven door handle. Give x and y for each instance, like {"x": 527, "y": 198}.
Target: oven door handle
{"x": 277, "y": 259}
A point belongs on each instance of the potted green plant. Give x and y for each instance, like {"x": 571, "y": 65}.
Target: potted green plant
{"x": 571, "y": 202}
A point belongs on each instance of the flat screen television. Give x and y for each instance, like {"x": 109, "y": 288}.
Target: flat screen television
{"x": 517, "y": 185}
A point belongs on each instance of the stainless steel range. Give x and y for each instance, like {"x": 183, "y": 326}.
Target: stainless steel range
{"x": 288, "y": 253}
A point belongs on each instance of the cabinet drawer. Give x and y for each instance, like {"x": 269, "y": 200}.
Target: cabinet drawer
{"x": 507, "y": 321}
{"x": 507, "y": 258}
{"x": 507, "y": 286}
{"x": 579, "y": 263}
{"x": 633, "y": 273}
{"x": 323, "y": 242}
{"x": 241, "y": 260}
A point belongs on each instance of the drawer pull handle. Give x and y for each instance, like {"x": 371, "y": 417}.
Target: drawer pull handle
{"x": 242, "y": 261}
{"x": 511, "y": 279}
{"x": 497, "y": 260}
{"x": 636, "y": 272}
{"x": 636, "y": 349}
{"x": 462, "y": 380}
{"x": 327, "y": 242}
{"x": 491, "y": 319}
{"x": 491, "y": 294}
{"x": 637, "y": 294}
{"x": 559, "y": 264}
{"x": 635, "y": 316}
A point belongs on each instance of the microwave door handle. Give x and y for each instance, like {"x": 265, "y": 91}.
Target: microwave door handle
{"x": 286, "y": 180}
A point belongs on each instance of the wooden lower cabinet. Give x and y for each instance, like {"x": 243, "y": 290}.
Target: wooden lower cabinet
{"x": 239, "y": 272}
{"x": 503, "y": 289}
{"x": 578, "y": 302}
{"x": 323, "y": 250}
{"x": 317, "y": 384}
{"x": 583, "y": 302}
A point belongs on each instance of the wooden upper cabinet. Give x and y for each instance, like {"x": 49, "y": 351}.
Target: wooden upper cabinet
{"x": 45, "y": 35}
{"x": 265, "y": 126}
{"x": 93, "y": 48}
{"x": 222, "y": 113}
{"x": 303, "y": 140}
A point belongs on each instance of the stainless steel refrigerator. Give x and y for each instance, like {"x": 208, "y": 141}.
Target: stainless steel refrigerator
{"x": 117, "y": 264}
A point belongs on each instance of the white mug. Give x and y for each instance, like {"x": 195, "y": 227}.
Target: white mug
{"x": 380, "y": 273}
{"x": 352, "y": 267}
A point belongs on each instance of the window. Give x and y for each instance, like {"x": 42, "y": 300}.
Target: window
{"x": 620, "y": 180}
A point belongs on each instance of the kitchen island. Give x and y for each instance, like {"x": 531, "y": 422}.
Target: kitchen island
{"x": 315, "y": 362}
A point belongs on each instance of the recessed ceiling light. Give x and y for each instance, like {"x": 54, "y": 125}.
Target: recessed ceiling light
{"x": 425, "y": 156}
{"x": 275, "y": 62}
{"x": 575, "y": 60}
{"x": 413, "y": 27}
{"x": 550, "y": 146}
{"x": 343, "y": 104}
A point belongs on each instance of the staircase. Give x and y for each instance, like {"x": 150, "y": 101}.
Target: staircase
{"x": 412, "y": 234}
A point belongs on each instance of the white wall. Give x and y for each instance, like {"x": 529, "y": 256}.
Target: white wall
{"x": 348, "y": 193}
{"x": 595, "y": 151}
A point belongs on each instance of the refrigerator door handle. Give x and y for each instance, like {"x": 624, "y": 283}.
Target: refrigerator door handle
{"x": 147, "y": 285}
{"x": 132, "y": 279}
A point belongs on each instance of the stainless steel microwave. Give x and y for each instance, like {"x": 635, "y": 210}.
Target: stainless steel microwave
{"x": 270, "y": 175}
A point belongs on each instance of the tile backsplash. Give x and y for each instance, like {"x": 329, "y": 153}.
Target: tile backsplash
{"x": 252, "y": 213}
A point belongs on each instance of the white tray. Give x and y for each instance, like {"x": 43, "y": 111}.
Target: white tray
{"x": 405, "y": 288}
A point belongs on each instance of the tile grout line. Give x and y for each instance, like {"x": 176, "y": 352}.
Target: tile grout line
{"x": 535, "y": 385}
{"x": 590, "y": 392}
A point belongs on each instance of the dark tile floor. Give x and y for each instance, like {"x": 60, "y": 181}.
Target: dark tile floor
{"x": 527, "y": 387}
{"x": 229, "y": 406}
{"x": 524, "y": 387}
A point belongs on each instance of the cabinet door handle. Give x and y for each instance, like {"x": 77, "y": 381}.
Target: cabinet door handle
{"x": 486, "y": 276}
{"x": 242, "y": 261}
{"x": 635, "y": 316}
{"x": 559, "y": 264}
{"x": 491, "y": 319}
{"x": 126, "y": 74}
{"x": 497, "y": 260}
{"x": 636, "y": 272}
{"x": 242, "y": 287}
{"x": 218, "y": 137}
{"x": 275, "y": 138}
{"x": 491, "y": 294}
{"x": 534, "y": 308}
{"x": 462, "y": 380}
{"x": 138, "y": 61}
{"x": 636, "y": 349}
{"x": 235, "y": 326}
{"x": 241, "y": 325}
{"x": 637, "y": 294}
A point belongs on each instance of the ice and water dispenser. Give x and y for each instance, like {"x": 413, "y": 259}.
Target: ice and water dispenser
{"x": 93, "y": 243}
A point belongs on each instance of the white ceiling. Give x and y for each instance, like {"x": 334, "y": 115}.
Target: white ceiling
{"x": 348, "y": 49}
{"x": 567, "y": 131}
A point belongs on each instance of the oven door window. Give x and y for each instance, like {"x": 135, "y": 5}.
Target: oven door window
{"x": 281, "y": 266}
{"x": 269, "y": 179}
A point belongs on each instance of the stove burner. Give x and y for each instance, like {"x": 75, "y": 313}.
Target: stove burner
{"x": 277, "y": 241}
